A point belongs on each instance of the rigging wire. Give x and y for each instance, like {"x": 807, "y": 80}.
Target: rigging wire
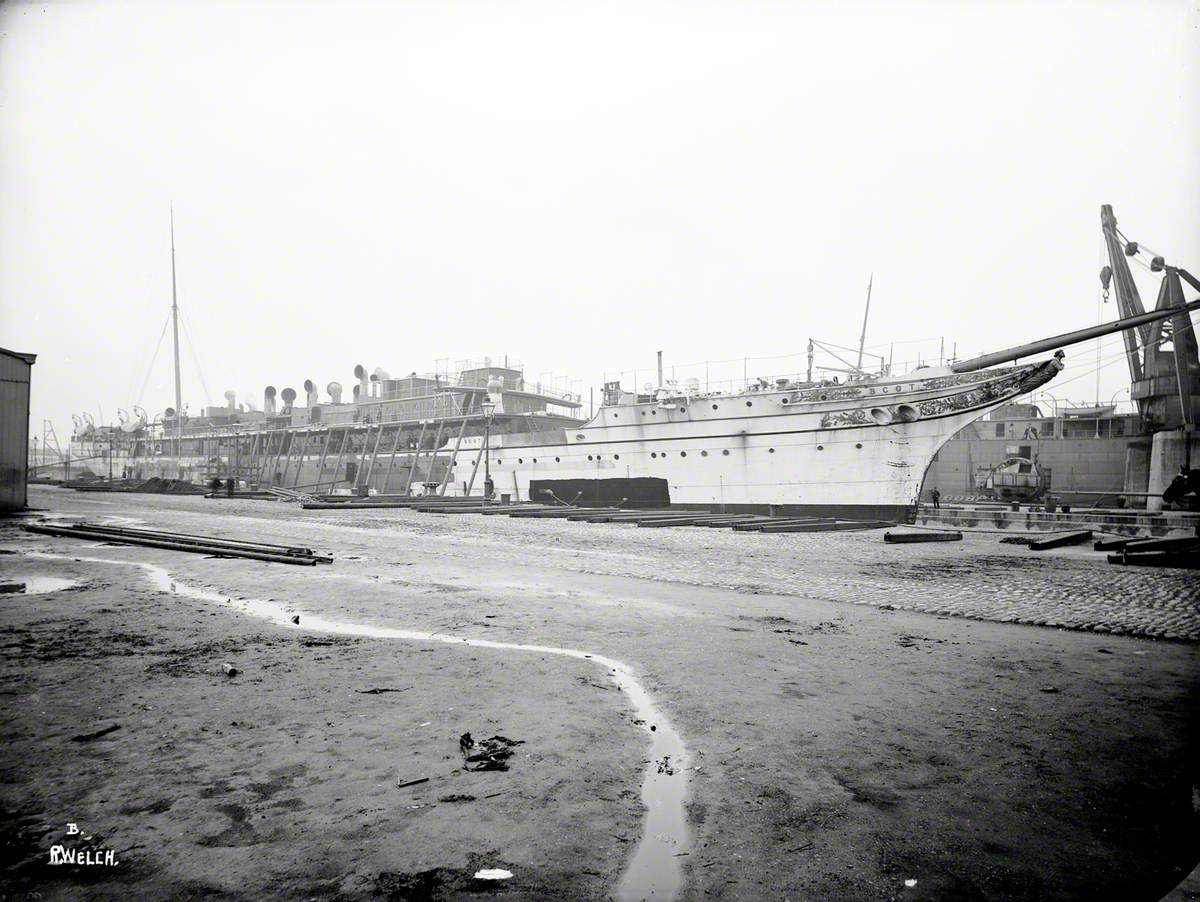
{"x": 150, "y": 368}
{"x": 195, "y": 360}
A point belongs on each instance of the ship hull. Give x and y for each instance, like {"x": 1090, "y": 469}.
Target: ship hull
{"x": 855, "y": 451}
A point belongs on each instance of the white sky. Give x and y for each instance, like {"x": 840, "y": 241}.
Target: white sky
{"x": 576, "y": 185}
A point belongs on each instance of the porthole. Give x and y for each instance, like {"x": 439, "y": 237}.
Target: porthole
{"x": 749, "y": 403}
{"x": 643, "y": 413}
{"x": 653, "y": 454}
{"x": 558, "y": 460}
{"x": 823, "y": 396}
{"x": 579, "y": 436}
{"x": 616, "y": 416}
{"x": 654, "y": 413}
{"x": 597, "y": 457}
{"x": 784, "y": 402}
{"x": 704, "y": 454}
{"x": 820, "y": 447}
{"x": 616, "y": 457}
{"x": 520, "y": 460}
{"x": 726, "y": 452}
{"x": 714, "y": 407}
{"x": 858, "y": 444}
{"x": 683, "y": 454}
{"x": 535, "y": 460}
{"x": 770, "y": 450}
{"x": 589, "y": 457}
{"x": 498, "y": 462}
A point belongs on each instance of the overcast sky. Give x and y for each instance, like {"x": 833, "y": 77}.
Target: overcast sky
{"x": 575, "y": 185}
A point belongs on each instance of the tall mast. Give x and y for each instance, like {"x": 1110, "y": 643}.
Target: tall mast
{"x": 862, "y": 342}
{"x": 175, "y": 327}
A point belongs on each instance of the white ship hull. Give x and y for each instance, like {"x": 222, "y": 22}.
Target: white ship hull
{"x": 859, "y": 449}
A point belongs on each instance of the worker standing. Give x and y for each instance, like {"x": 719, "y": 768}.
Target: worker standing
{"x": 937, "y": 498}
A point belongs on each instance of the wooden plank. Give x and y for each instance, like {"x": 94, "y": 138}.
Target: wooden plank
{"x": 1062, "y": 541}
{"x": 453, "y": 458}
{"x": 387, "y": 479}
{"x": 908, "y": 538}
{"x": 413, "y": 461}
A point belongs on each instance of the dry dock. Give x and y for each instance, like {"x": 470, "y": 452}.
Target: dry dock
{"x": 856, "y": 714}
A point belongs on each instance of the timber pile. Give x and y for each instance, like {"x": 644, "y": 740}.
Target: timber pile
{"x": 1184, "y": 552}
{"x": 176, "y": 541}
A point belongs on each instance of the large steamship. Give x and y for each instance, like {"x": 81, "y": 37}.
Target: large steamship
{"x": 860, "y": 448}
{"x": 856, "y": 449}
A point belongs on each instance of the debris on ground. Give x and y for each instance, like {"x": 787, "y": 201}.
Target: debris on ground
{"x": 230, "y": 670}
{"x": 88, "y": 737}
{"x": 493, "y": 753}
{"x": 296, "y": 620}
{"x": 406, "y": 783}
{"x": 457, "y": 797}
{"x": 380, "y": 690}
{"x": 493, "y": 874}
{"x": 1049, "y": 689}
{"x": 665, "y": 766}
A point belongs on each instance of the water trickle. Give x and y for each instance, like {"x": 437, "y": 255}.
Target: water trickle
{"x": 35, "y": 585}
{"x": 655, "y": 871}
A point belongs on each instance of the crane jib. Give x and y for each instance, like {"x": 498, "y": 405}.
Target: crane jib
{"x": 1071, "y": 338}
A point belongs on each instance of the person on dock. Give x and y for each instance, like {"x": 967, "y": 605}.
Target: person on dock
{"x": 937, "y": 498}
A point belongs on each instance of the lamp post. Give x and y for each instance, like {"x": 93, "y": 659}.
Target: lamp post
{"x": 488, "y": 406}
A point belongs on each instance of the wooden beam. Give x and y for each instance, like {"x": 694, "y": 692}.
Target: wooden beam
{"x": 412, "y": 466}
{"x": 387, "y": 479}
{"x": 453, "y": 457}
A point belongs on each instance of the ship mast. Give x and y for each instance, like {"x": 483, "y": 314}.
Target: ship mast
{"x": 175, "y": 327}
{"x": 862, "y": 341}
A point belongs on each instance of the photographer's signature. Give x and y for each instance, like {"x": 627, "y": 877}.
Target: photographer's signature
{"x": 81, "y": 854}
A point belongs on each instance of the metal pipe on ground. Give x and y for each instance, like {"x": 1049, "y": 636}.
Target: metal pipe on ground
{"x": 214, "y": 550}
{"x": 162, "y": 534}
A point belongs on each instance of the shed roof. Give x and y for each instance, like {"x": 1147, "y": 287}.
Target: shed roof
{"x": 28, "y": 358}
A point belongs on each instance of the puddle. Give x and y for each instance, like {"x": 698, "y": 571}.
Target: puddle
{"x": 655, "y": 870}
{"x": 35, "y": 585}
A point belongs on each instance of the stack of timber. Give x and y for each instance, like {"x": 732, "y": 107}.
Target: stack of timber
{"x": 1184, "y": 552}
{"x": 290, "y": 494}
{"x": 176, "y": 541}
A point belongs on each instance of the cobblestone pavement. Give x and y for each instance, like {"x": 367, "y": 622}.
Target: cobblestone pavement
{"x": 1074, "y": 588}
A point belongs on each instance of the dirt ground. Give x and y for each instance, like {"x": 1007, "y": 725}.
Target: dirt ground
{"x": 839, "y": 749}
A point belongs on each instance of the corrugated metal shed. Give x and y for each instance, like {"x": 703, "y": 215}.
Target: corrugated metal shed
{"x": 14, "y": 428}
